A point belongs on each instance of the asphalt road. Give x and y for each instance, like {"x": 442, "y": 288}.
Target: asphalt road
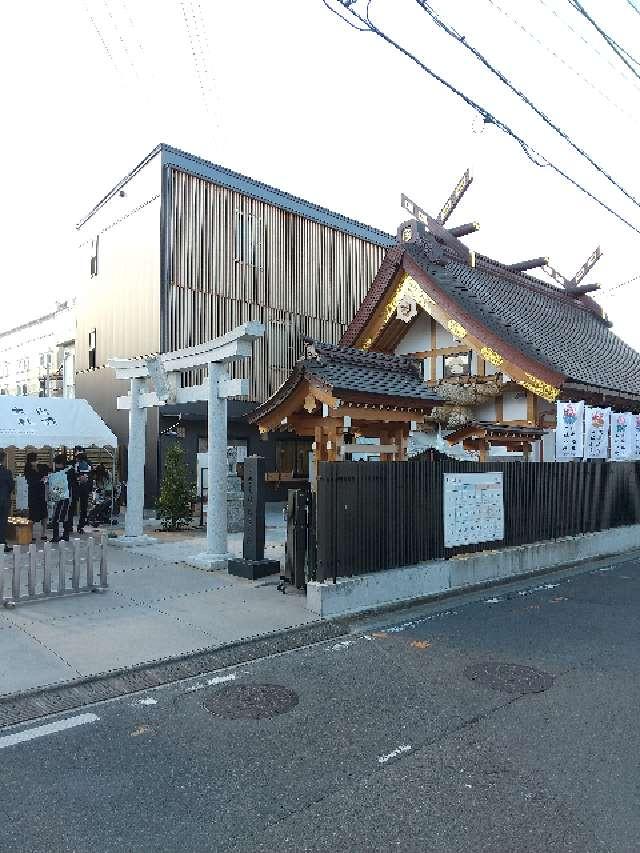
{"x": 418, "y": 733}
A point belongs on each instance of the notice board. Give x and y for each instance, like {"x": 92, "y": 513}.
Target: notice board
{"x": 473, "y": 508}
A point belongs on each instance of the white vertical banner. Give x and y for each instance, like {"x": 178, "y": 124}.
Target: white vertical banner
{"x": 596, "y": 432}
{"x": 623, "y": 435}
{"x": 569, "y": 430}
{"x": 636, "y": 419}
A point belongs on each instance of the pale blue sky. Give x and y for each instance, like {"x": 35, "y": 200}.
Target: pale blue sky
{"x": 285, "y": 92}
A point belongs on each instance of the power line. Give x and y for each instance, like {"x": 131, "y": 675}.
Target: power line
{"x": 196, "y": 62}
{"x": 620, "y": 51}
{"x": 503, "y": 79}
{"x": 633, "y": 6}
{"x": 620, "y": 284}
{"x": 561, "y": 60}
{"x": 120, "y": 37}
{"x": 535, "y": 156}
{"x": 100, "y": 36}
{"x": 591, "y": 46}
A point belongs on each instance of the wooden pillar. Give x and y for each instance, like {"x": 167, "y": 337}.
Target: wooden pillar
{"x": 483, "y": 449}
{"x": 499, "y": 409}
{"x": 385, "y": 438}
{"x": 403, "y": 438}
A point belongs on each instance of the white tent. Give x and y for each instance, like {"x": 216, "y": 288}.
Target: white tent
{"x": 51, "y": 422}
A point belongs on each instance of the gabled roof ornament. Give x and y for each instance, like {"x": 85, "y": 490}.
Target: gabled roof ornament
{"x": 435, "y": 226}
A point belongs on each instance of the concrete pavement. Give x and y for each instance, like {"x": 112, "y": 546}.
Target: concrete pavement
{"x": 419, "y": 732}
{"x": 156, "y": 607}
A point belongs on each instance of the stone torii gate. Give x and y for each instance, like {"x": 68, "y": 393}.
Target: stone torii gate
{"x": 155, "y": 381}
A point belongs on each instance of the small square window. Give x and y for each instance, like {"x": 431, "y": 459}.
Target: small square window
{"x": 456, "y": 365}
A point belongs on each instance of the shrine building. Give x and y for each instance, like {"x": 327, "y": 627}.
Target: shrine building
{"x": 491, "y": 348}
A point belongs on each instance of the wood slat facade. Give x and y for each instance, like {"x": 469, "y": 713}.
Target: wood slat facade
{"x": 233, "y": 258}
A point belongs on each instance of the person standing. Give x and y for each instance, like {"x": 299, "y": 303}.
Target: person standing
{"x": 80, "y": 489}
{"x": 36, "y": 477}
{"x": 60, "y": 491}
{"x": 7, "y": 486}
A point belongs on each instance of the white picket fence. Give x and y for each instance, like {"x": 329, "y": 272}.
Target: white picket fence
{"x": 64, "y": 568}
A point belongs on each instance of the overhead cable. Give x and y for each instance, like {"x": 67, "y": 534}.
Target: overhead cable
{"x": 503, "y": 79}
{"x": 562, "y": 60}
{"x": 535, "y": 156}
{"x": 590, "y": 45}
{"x": 620, "y": 51}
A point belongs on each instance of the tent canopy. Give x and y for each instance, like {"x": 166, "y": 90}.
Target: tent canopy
{"x": 51, "y": 422}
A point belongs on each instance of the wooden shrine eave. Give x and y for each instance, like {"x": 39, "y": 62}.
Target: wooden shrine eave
{"x": 496, "y": 435}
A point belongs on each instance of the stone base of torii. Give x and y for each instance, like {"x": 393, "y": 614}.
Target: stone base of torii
{"x": 155, "y": 381}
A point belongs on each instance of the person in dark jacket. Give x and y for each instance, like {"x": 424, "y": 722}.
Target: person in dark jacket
{"x": 80, "y": 483}
{"x": 6, "y": 490}
{"x": 36, "y": 477}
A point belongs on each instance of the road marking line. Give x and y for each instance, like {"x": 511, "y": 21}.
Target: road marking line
{"x": 48, "y": 729}
{"x": 147, "y": 701}
{"x": 384, "y": 758}
{"x": 218, "y": 679}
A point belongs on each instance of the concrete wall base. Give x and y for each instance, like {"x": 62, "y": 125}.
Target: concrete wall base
{"x": 435, "y": 578}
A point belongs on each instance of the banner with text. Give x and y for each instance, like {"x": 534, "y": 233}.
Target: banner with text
{"x": 596, "y": 432}
{"x": 569, "y": 430}
{"x": 623, "y": 435}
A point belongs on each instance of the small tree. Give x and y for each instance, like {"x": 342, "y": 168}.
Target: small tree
{"x": 176, "y": 492}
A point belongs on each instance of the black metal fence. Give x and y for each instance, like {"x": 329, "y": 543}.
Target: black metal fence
{"x": 373, "y": 516}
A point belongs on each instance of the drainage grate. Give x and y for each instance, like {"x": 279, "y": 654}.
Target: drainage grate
{"x": 509, "y": 677}
{"x": 251, "y": 701}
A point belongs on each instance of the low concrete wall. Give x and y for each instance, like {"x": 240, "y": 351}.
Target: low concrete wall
{"x": 423, "y": 580}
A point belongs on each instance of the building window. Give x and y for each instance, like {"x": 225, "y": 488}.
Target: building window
{"x": 456, "y": 365}
{"x": 18, "y": 390}
{"x": 92, "y": 349}
{"x": 247, "y": 242}
{"x": 94, "y": 257}
{"x": 42, "y": 359}
{"x": 24, "y": 390}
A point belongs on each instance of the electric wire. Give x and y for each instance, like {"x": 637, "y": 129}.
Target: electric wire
{"x": 620, "y": 51}
{"x": 533, "y": 155}
{"x": 562, "y": 61}
{"x": 101, "y": 38}
{"x": 589, "y": 44}
{"x": 503, "y": 79}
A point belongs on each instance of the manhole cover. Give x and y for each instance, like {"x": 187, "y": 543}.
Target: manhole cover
{"x": 251, "y": 701}
{"x": 509, "y": 677}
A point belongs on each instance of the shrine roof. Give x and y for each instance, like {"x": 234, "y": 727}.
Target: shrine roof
{"x": 539, "y": 320}
{"x": 353, "y": 373}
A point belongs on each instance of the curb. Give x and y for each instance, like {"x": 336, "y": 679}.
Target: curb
{"x": 41, "y": 702}
{"x": 38, "y": 702}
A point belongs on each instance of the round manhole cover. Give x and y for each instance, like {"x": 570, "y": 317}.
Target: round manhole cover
{"x": 509, "y": 677}
{"x": 251, "y": 701}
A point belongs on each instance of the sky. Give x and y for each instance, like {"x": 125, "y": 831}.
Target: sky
{"x": 287, "y": 93}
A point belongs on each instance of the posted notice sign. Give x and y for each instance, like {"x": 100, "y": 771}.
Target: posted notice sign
{"x": 473, "y": 508}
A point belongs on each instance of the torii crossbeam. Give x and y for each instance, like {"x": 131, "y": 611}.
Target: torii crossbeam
{"x": 155, "y": 382}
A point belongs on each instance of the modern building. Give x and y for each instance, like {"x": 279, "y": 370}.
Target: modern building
{"x": 182, "y": 250}
{"x": 37, "y": 358}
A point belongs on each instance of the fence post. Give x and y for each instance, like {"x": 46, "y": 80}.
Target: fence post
{"x": 75, "y": 575}
{"x": 90, "y": 563}
{"x": 15, "y": 585}
{"x": 31, "y": 575}
{"x": 46, "y": 574}
{"x": 103, "y": 562}
{"x": 61, "y": 578}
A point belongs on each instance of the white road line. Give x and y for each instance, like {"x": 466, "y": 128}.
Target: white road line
{"x": 396, "y": 752}
{"x": 147, "y": 701}
{"x": 48, "y": 729}
{"x": 218, "y": 679}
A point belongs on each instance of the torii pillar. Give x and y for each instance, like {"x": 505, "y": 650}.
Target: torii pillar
{"x": 154, "y": 382}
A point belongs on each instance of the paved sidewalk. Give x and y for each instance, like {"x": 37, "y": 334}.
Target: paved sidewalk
{"x": 156, "y": 607}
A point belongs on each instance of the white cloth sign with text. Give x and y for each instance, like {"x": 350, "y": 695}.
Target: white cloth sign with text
{"x": 596, "y": 432}
{"x": 623, "y": 435}
{"x": 569, "y": 430}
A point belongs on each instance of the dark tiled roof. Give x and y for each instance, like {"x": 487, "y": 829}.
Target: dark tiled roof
{"x": 375, "y": 373}
{"x": 539, "y": 320}
{"x": 352, "y": 373}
